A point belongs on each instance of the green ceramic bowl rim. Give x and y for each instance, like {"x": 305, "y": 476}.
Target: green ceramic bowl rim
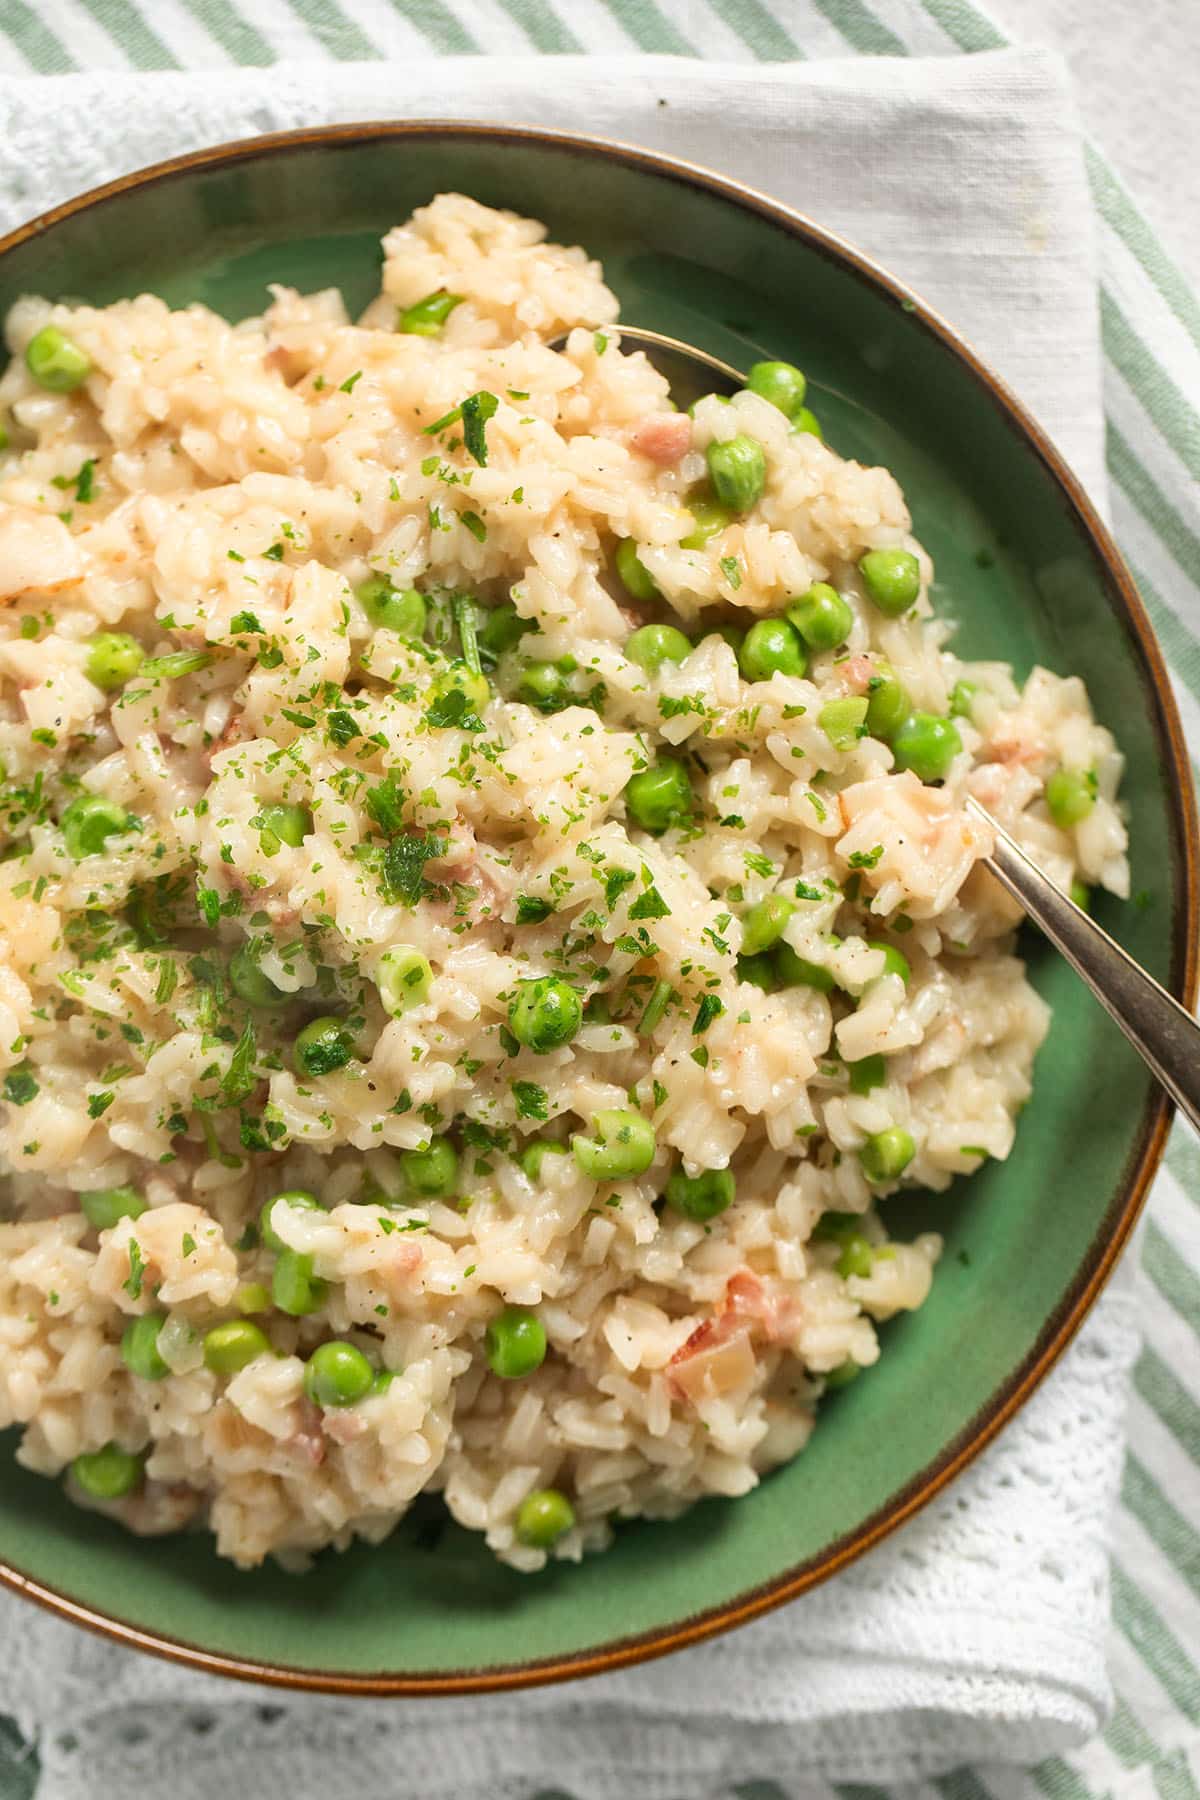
{"x": 1147, "y": 1149}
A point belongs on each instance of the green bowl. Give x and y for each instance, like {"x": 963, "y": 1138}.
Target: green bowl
{"x": 1026, "y": 566}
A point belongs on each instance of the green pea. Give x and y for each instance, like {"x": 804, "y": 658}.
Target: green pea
{"x": 1070, "y": 796}
{"x": 543, "y": 1517}
{"x": 425, "y": 318}
{"x": 382, "y": 1381}
{"x": 229, "y": 1347}
{"x": 927, "y": 745}
{"x": 709, "y": 519}
{"x": 431, "y": 1173}
{"x": 843, "y": 1375}
{"x": 962, "y": 698}
{"x": 700, "y": 1197}
{"x": 822, "y": 616}
{"x": 660, "y": 796}
{"x": 892, "y": 578}
{"x": 139, "y": 1347}
{"x": 886, "y": 1154}
{"x": 894, "y": 961}
{"x": 545, "y": 687}
{"x": 248, "y": 981}
{"x": 763, "y": 925}
{"x": 108, "y": 1474}
{"x": 796, "y": 971}
{"x": 103, "y": 1207}
{"x": 738, "y": 471}
{"x": 324, "y": 1045}
{"x": 1081, "y": 894}
{"x": 624, "y": 1146}
{"x": 807, "y": 423}
{"x": 636, "y": 578}
{"x": 89, "y": 822}
{"x": 294, "y": 1288}
{"x": 500, "y": 628}
{"x": 458, "y": 678}
{"x": 56, "y": 362}
{"x": 652, "y": 645}
{"x": 844, "y": 721}
{"x": 855, "y": 1258}
{"x": 771, "y": 646}
{"x": 887, "y": 704}
{"x": 252, "y": 1297}
{"x": 403, "y": 979}
{"x": 515, "y": 1343}
{"x": 781, "y": 383}
{"x": 395, "y": 609}
{"x": 113, "y": 656}
{"x": 534, "y": 1155}
{"x": 869, "y": 1072}
{"x": 545, "y": 1013}
{"x": 299, "y": 1199}
{"x": 290, "y": 823}
{"x": 731, "y": 635}
{"x": 759, "y": 971}
{"x": 337, "y": 1374}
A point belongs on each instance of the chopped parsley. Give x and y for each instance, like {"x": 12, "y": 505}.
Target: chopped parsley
{"x": 404, "y": 865}
{"x": 452, "y": 710}
{"x": 19, "y": 1087}
{"x": 650, "y": 905}
{"x": 477, "y": 409}
{"x": 532, "y": 1101}
{"x": 137, "y": 1268}
{"x": 209, "y": 902}
{"x": 710, "y": 1008}
{"x": 865, "y": 859}
{"x": 615, "y": 883}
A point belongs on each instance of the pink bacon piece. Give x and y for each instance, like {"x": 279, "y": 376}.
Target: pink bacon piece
{"x": 662, "y": 437}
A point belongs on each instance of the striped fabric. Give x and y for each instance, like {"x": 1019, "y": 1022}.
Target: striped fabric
{"x": 1151, "y": 335}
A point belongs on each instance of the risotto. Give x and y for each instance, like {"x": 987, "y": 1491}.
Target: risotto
{"x": 487, "y": 911}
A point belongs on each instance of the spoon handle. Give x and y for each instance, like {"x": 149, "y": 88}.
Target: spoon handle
{"x": 1164, "y": 1034}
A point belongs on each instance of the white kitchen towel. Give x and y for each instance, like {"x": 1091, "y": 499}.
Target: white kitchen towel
{"x": 978, "y": 1632}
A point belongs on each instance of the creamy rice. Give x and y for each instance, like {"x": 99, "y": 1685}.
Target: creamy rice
{"x": 225, "y": 491}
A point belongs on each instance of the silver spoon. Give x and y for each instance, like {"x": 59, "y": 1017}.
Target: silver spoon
{"x": 1162, "y": 1032}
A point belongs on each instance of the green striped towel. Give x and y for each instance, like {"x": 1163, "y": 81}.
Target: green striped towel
{"x": 1150, "y": 1745}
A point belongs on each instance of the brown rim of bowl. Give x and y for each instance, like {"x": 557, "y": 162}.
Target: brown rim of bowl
{"x": 1185, "y": 956}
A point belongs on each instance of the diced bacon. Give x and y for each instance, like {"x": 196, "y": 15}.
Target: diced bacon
{"x": 1011, "y": 750}
{"x": 663, "y": 437}
{"x": 713, "y": 1361}
{"x": 763, "y": 1304}
{"x": 856, "y": 673}
{"x": 235, "y": 731}
{"x": 308, "y": 1439}
{"x": 344, "y": 1424}
{"x": 400, "y": 1263}
{"x": 719, "y": 1356}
